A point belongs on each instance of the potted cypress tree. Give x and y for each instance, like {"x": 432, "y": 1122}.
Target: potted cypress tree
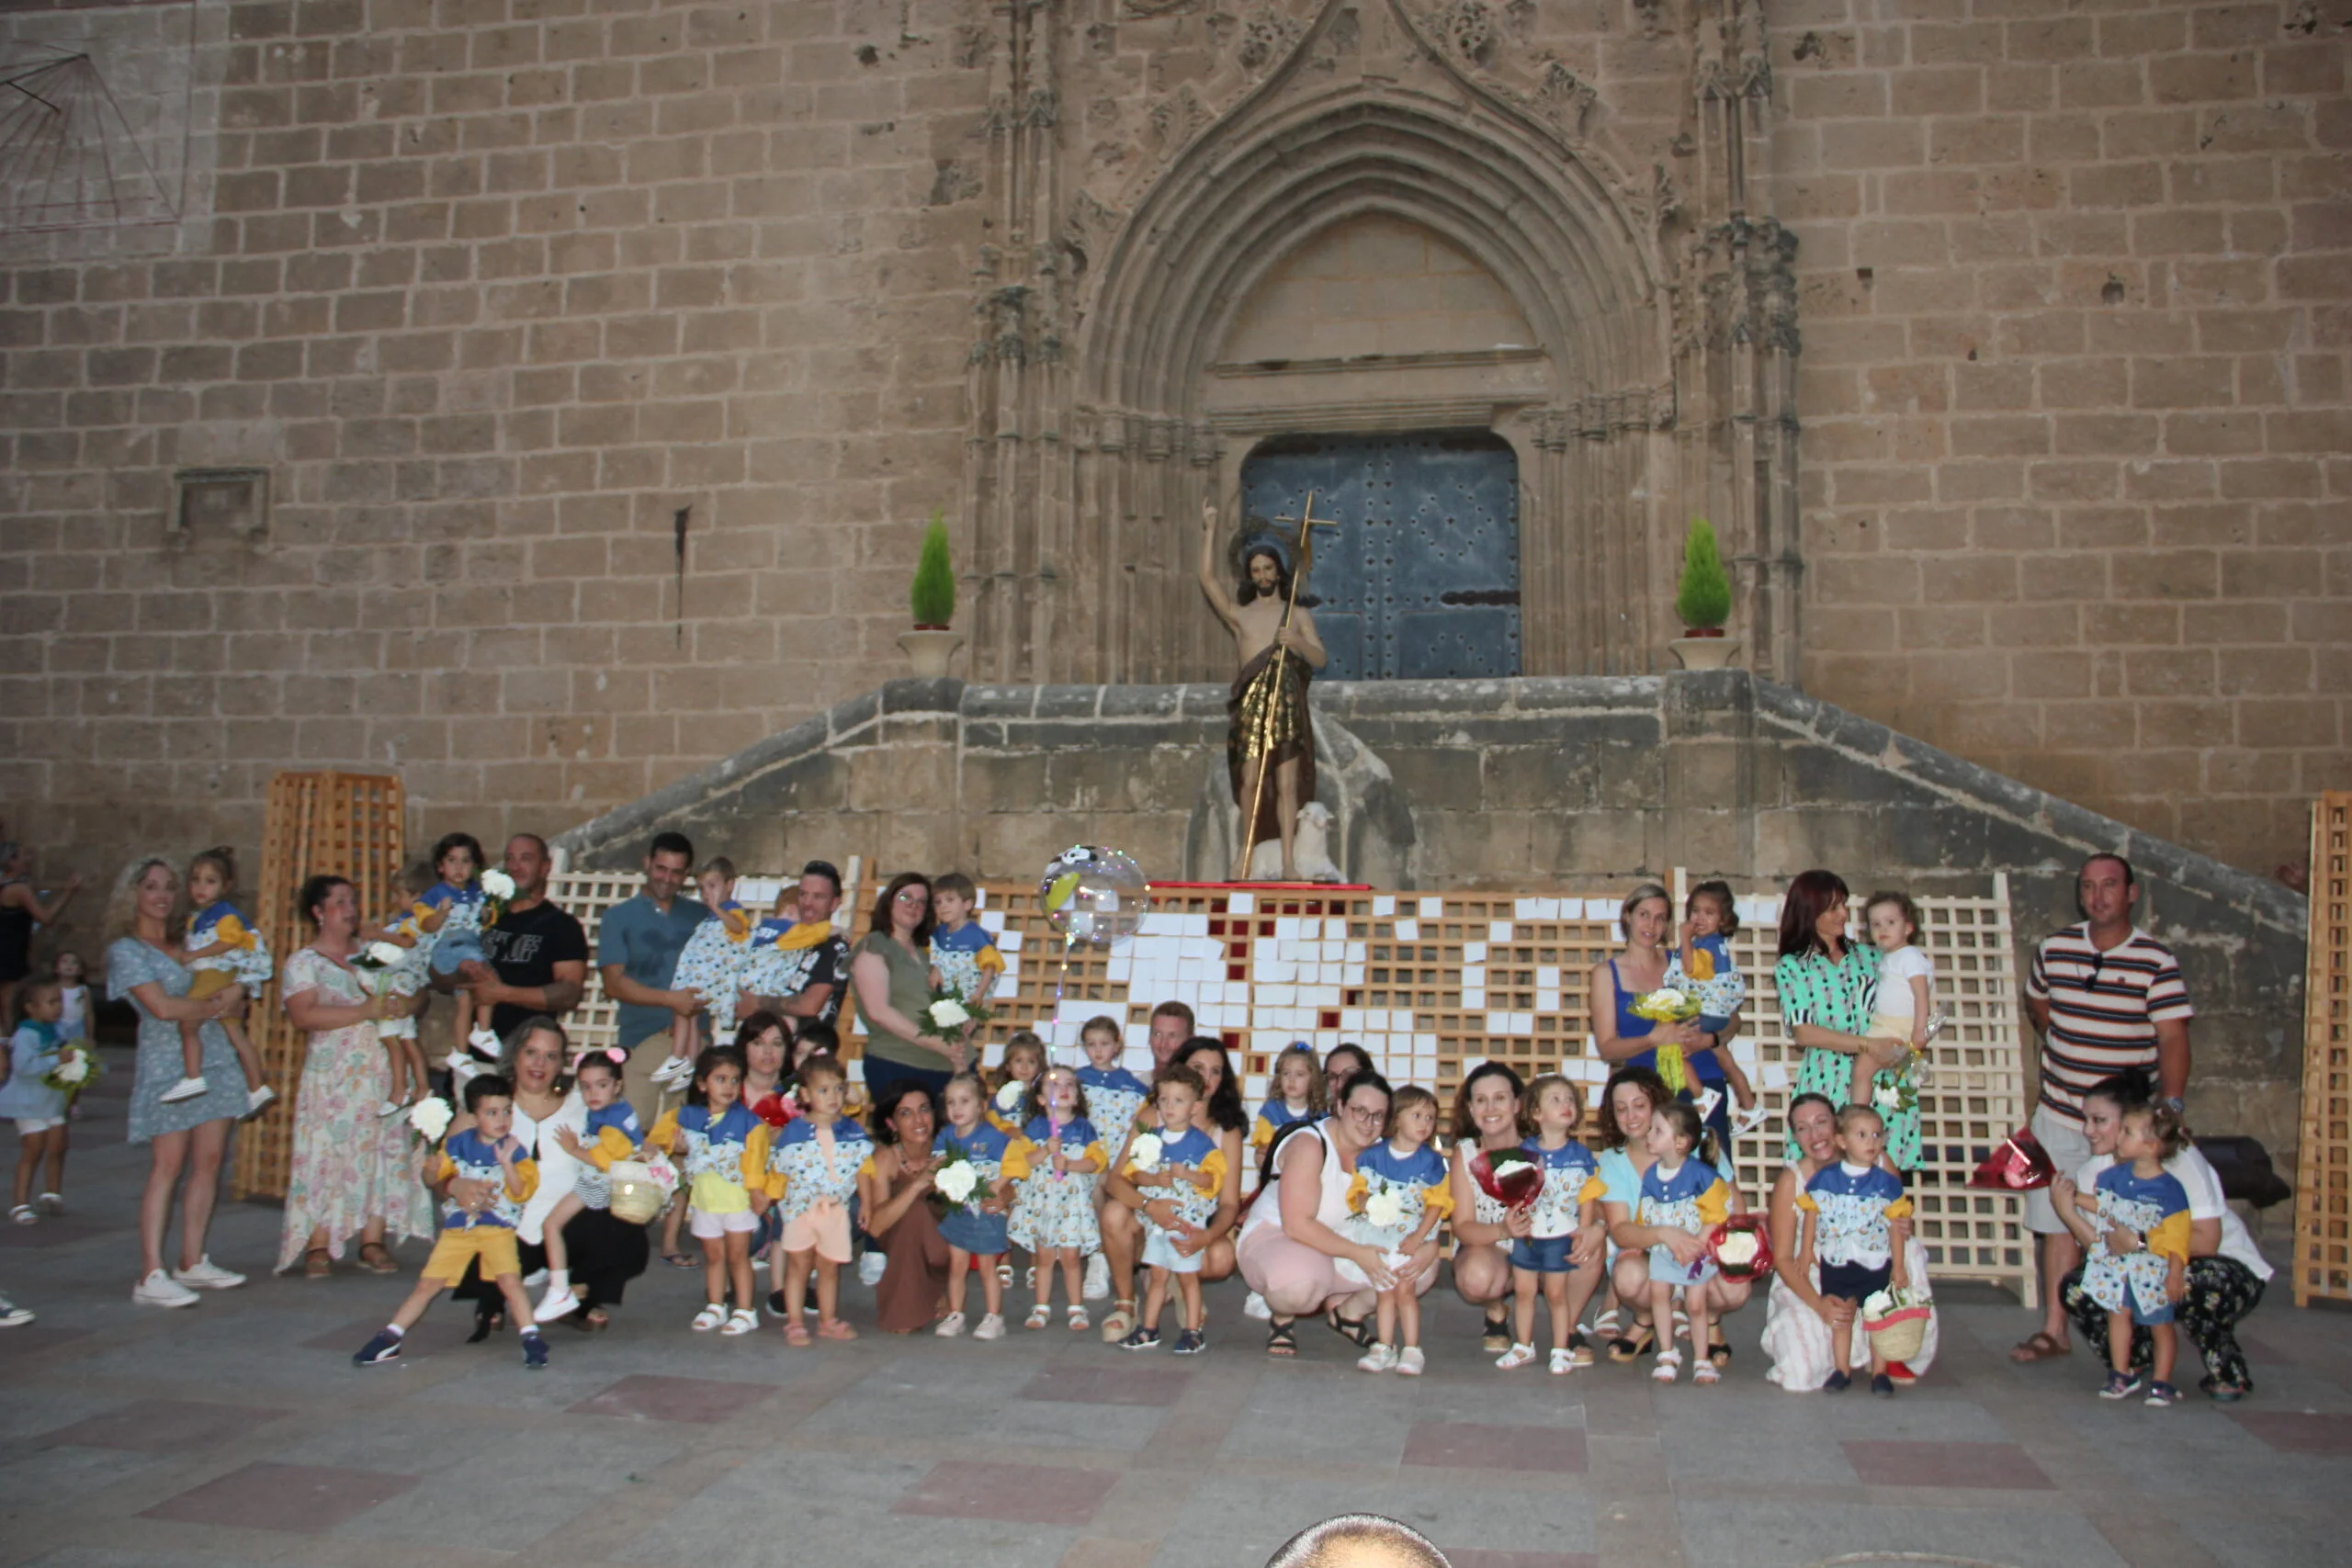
{"x": 1703, "y": 600}
{"x": 933, "y": 598}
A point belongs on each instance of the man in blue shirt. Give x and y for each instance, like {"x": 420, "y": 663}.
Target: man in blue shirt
{"x": 636, "y": 954}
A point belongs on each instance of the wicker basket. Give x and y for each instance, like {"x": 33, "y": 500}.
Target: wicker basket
{"x": 1899, "y": 1334}
{"x": 637, "y": 1197}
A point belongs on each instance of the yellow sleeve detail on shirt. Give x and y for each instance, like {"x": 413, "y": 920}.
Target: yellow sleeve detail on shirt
{"x": 1017, "y": 1157}
{"x": 230, "y": 929}
{"x": 1702, "y": 966}
{"x": 1262, "y": 1134}
{"x": 989, "y": 961}
{"x": 869, "y": 1171}
{"x": 1714, "y": 1204}
{"x": 1805, "y": 1202}
{"x": 2170, "y": 1236}
{"x": 1357, "y": 1191}
{"x": 1899, "y": 1210}
{"x": 1592, "y": 1191}
{"x": 444, "y": 1167}
{"x": 1213, "y": 1171}
{"x": 527, "y": 1177}
{"x": 666, "y": 1132}
{"x": 1439, "y": 1199}
{"x": 610, "y": 1143}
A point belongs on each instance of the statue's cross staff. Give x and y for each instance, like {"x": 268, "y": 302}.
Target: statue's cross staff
{"x": 1305, "y": 545}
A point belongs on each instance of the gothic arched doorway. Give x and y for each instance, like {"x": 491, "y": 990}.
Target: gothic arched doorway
{"x": 1421, "y": 579}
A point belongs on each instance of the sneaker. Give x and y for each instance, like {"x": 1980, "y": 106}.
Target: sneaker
{"x": 1883, "y": 1386}
{"x": 535, "y": 1352}
{"x": 12, "y": 1316}
{"x": 187, "y": 1088}
{"x": 869, "y": 1269}
{"x": 160, "y": 1290}
{"x": 950, "y": 1326}
{"x": 1836, "y": 1383}
{"x": 385, "y": 1347}
{"x": 1098, "y": 1279}
{"x": 1379, "y": 1359}
{"x": 1409, "y": 1361}
{"x": 1254, "y": 1305}
{"x": 1141, "y": 1340}
{"x": 536, "y": 1278}
{"x": 991, "y": 1326}
{"x": 1191, "y": 1342}
{"x": 558, "y": 1301}
{"x": 2121, "y": 1385}
{"x": 2161, "y": 1394}
{"x": 258, "y": 1098}
{"x": 208, "y": 1275}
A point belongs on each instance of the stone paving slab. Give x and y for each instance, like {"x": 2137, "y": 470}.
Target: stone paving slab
{"x": 238, "y": 1432}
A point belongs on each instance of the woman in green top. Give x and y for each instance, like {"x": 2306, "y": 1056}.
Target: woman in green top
{"x": 890, "y": 970}
{"x": 1826, "y": 986}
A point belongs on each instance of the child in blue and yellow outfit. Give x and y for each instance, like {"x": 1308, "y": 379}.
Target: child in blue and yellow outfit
{"x": 1401, "y": 1191}
{"x": 722, "y": 1154}
{"x": 1182, "y": 1163}
{"x": 1115, "y": 1097}
{"x": 812, "y": 1175}
{"x": 612, "y": 1135}
{"x": 486, "y": 1152}
{"x": 1559, "y": 1257}
{"x": 975, "y": 1229}
{"x": 1684, "y": 1191}
{"x": 1853, "y": 1203}
{"x": 223, "y": 950}
{"x": 1053, "y": 1206}
{"x": 1298, "y": 1096}
{"x": 713, "y": 960}
{"x": 964, "y": 956}
{"x": 2136, "y": 1194}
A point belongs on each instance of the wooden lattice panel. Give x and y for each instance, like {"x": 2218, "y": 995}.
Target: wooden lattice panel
{"x": 348, "y": 824}
{"x": 1430, "y": 985}
{"x": 2323, "y": 1177}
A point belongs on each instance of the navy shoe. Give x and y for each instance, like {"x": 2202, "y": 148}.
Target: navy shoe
{"x": 1838, "y": 1382}
{"x": 385, "y": 1347}
{"x": 1141, "y": 1340}
{"x": 1191, "y": 1342}
{"x": 1883, "y": 1386}
{"x": 535, "y": 1352}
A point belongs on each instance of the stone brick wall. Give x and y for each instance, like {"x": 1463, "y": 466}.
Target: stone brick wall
{"x": 2074, "y": 294}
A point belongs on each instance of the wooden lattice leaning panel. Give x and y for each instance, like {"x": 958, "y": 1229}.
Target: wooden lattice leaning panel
{"x": 2323, "y": 1177}
{"x": 1431, "y": 985}
{"x": 347, "y": 824}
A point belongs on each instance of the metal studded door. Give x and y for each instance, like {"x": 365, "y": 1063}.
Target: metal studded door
{"x": 1420, "y": 580}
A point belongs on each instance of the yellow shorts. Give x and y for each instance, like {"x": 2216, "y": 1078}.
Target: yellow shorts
{"x": 492, "y": 1244}
{"x": 209, "y": 983}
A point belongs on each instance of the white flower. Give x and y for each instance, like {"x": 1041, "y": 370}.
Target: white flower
{"x": 1738, "y": 1248}
{"x": 1008, "y": 1099}
{"x": 1384, "y": 1208}
{"x": 1878, "y": 1304}
{"x": 431, "y": 1117}
{"x": 387, "y": 953}
{"x": 73, "y": 1068}
{"x": 947, "y": 1013}
{"x": 498, "y": 884}
{"x": 955, "y": 1182}
{"x": 1144, "y": 1153}
{"x": 1886, "y": 1096}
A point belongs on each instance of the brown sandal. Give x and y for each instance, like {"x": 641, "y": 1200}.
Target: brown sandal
{"x": 2038, "y": 1346}
{"x": 377, "y": 1258}
{"x": 317, "y": 1263}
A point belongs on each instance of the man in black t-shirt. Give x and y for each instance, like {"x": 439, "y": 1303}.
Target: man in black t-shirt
{"x": 538, "y": 954}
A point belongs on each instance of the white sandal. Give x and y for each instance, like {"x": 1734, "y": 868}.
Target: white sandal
{"x": 1079, "y": 1321}
{"x": 710, "y": 1317}
{"x": 1605, "y": 1325}
{"x": 1703, "y": 1372}
{"x": 1518, "y": 1356}
{"x": 1669, "y": 1364}
{"x": 1039, "y": 1315}
{"x": 744, "y": 1321}
{"x": 25, "y": 1215}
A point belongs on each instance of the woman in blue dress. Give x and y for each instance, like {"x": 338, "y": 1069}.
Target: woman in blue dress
{"x": 189, "y": 1138}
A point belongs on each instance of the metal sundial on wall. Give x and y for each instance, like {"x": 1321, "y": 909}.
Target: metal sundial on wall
{"x": 69, "y": 158}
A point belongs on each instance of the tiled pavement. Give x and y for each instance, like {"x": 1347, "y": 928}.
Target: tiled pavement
{"x": 237, "y": 1431}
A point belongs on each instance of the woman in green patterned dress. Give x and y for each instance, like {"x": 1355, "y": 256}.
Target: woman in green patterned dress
{"x": 1827, "y": 984}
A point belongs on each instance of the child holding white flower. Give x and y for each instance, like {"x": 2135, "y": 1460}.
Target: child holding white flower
{"x": 223, "y": 949}
{"x": 37, "y": 1108}
{"x": 812, "y": 1169}
{"x": 982, "y": 1165}
{"x": 612, "y": 1134}
{"x": 1183, "y": 1162}
{"x": 964, "y": 956}
{"x": 713, "y": 961}
{"x": 1024, "y": 1060}
{"x": 1703, "y": 966}
{"x": 1851, "y": 1238}
{"x": 1053, "y": 1206}
{"x": 1401, "y": 1191}
{"x": 451, "y": 914}
{"x": 1885, "y": 1075}
{"x": 1559, "y": 1257}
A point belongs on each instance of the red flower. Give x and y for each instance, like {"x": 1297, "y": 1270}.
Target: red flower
{"x": 1741, "y": 1264}
{"x": 775, "y": 1110}
{"x": 1506, "y": 1176}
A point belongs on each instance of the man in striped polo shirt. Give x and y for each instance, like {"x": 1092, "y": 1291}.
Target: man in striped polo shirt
{"x": 2106, "y": 998}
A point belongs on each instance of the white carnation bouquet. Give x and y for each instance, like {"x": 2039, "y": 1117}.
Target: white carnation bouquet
{"x": 947, "y": 1015}
{"x": 958, "y": 1182}
{"x": 78, "y": 1066}
{"x": 378, "y": 964}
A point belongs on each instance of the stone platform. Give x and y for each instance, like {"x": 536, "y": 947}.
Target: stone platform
{"x": 238, "y": 1432}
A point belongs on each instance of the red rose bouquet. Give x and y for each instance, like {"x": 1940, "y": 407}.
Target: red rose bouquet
{"x": 1742, "y": 1248}
{"x": 1506, "y": 1176}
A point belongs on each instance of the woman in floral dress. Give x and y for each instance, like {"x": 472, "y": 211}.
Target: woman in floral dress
{"x": 355, "y": 1173}
{"x": 1827, "y": 986}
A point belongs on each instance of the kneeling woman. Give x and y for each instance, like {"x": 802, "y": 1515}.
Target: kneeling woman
{"x": 1632, "y": 1104}
{"x": 1291, "y": 1245}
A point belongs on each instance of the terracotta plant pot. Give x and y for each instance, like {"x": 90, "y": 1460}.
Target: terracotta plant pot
{"x": 1706, "y": 647}
{"x": 930, "y": 648}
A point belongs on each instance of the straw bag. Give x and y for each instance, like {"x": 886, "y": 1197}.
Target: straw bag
{"x": 1899, "y": 1334}
{"x": 637, "y": 1196}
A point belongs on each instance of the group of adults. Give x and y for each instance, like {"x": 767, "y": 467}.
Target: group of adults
{"x": 2108, "y": 999}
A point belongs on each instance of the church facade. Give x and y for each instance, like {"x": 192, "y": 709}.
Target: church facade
{"x": 545, "y": 397}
